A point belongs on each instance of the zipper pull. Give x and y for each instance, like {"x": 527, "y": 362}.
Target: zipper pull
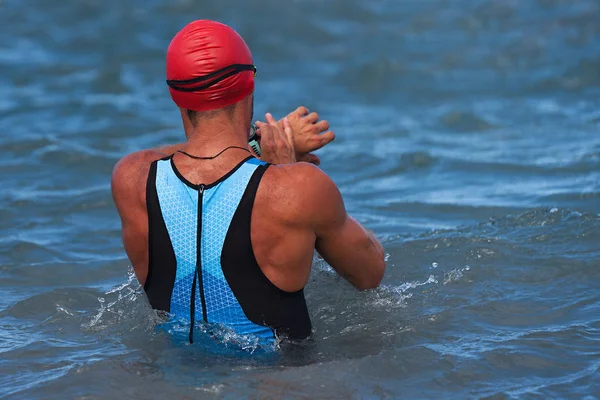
{"x": 201, "y": 189}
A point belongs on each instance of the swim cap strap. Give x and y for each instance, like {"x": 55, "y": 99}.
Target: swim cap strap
{"x": 212, "y": 78}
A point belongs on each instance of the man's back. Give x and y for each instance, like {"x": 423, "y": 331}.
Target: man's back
{"x": 202, "y": 265}
{"x": 241, "y": 232}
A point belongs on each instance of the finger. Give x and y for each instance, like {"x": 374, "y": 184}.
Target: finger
{"x": 270, "y": 119}
{"x": 311, "y": 158}
{"x": 259, "y": 124}
{"x": 266, "y": 137}
{"x": 312, "y": 117}
{"x": 318, "y": 141}
{"x": 288, "y": 131}
{"x": 322, "y": 126}
{"x": 302, "y": 111}
{"x": 279, "y": 138}
{"x": 327, "y": 137}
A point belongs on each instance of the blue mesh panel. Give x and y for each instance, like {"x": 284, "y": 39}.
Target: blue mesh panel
{"x": 179, "y": 207}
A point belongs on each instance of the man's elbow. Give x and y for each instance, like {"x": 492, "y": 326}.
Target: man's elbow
{"x": 374, "y": 278}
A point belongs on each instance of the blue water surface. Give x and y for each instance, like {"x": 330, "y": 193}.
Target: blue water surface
{"x": 468, "y": 140}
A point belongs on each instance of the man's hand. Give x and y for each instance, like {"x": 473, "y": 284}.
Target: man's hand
{"x": 308, "y": 131}
{"x": 277, "y": 143}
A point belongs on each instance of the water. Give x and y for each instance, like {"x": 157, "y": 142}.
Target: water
{"x": 468, "y": 139}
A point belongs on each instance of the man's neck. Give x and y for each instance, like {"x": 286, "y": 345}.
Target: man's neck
{"x": 209, "y": 139}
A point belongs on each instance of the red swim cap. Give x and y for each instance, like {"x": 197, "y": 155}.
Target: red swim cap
{"x": 209, "y": 66}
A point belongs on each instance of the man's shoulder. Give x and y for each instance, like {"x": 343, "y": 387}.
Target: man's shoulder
{"x": 130, "y": 173}
{"x": 299, "y": 190}
{"x": 300, "y": 177}
{"x": 137, "y": 163}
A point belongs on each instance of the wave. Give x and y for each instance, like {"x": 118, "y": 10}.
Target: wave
{"x": 582, "y": 76}
{"x": 464, "y": 121}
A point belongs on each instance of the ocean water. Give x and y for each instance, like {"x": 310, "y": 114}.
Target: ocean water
{"x": 468, "y": 139}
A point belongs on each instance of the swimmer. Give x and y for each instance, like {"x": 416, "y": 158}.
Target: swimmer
{"x": 217, "y": 233}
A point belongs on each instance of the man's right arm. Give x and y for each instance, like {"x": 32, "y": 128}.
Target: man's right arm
{"x": 351, "y": 250}
{"x": 315, "y": 207}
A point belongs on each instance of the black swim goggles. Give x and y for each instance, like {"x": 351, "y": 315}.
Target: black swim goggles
{"x": 206, "y": 81}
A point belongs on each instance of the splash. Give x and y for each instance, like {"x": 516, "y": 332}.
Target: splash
{"x": 122, "y": 305}
{"x": 455, "y": 275}
{"x": 218, "y": 338}
{"x": 389, "y": 295}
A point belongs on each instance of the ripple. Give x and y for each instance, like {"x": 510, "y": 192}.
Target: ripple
{"x": 583, "y": 76}
{"x": 25, "y": 146}
{"x": 16, "y": 251}
{"x": 53, "y": 155}
{"x": 41, "y": 306}
{"x": 418, "y": 159}
{"x": 36, "y": 196}
{"x": 464, "y": 122}
{"x": 43, "y": 273}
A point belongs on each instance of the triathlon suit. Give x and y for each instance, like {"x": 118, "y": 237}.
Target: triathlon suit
{"x": 202, "y": 267}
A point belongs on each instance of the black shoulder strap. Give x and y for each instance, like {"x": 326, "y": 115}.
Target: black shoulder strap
{"x": 162, "y": 264}
{"x": 262, "y": 302}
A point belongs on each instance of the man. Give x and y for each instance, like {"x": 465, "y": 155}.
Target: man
{"x": 217, "y": 235}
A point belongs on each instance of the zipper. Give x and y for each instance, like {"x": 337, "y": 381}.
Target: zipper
{"x": 198, "y": 271}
